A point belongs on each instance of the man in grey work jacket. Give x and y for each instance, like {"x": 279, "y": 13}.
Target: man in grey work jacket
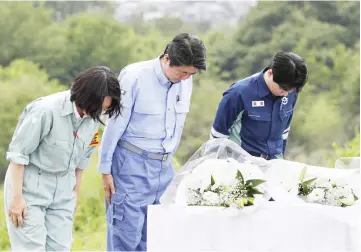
{"x": 256, "y": 112}
{"x": 51, "y": 146}
{"x": 137, "y": 148}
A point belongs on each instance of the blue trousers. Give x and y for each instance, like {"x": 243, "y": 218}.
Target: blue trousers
{"x": 139, "y": 181}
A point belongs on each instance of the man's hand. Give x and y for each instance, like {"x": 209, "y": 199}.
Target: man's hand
{"x": 108, "y": 185}
{"x": 17, "y": 211}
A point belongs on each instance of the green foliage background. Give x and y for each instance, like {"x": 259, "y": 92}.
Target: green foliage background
{"x": 44, "y": 45}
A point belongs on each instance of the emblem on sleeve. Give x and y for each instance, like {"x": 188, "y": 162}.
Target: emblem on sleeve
{"x": 284, "y": 100}
{"x": 95, "y": 140}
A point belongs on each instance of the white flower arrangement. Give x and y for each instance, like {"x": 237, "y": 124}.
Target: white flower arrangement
{"x": 223, "y": 183}
{"x": 326, "y": 192}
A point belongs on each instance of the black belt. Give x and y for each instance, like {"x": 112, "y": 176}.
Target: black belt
{"x": 265, "y": 156}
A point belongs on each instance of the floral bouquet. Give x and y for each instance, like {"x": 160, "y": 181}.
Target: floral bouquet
{"x": 222, "y": 183}
{"x": 325, "y": 191}
{"x": 219, "y": 174}
{"x": 292, "y": 182}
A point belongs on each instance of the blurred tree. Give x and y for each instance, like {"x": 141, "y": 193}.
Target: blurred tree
{"x": 205, "y": 98}
{"x": 216, "y": 41}
{"x": 20, "y": 25}
{"x": 325, "y": 34}
{"x": 84, "y": 41}
{"x": 168, "y": 25}
{"x": 281, "y": 25}
{"x": 349, "y": 149}
{"x": 136, "y": 21}
{"x": 150, "y": 46}
{"x": 20, "y": 83}
{"x": 64, "y": 9}
{"x": 63, "y": 49}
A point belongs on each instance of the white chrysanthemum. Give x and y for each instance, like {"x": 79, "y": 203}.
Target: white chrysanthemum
{"x": 211, "y": 198}
{"x": 193, "y": 198}
{"x": 317, "y": 195}
{"x": 331, "y": 197}
{"x": 224, "y": 173}
{"x": 350, "y": 198}
{"x": 214, "y": 187}
{"x": 324, "y": 184}
{"x": 331, "y": 201}
{"x": 341, "y": 191}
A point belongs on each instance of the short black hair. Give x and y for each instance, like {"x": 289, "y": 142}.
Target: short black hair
{"x": 289, "y": 71}
{"x": 186, "y": 50}
{"x": 89, "y": 89}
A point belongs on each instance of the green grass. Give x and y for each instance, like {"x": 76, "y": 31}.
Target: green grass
{"x": 90, "y": 222}
{"x": 4, "y": 238}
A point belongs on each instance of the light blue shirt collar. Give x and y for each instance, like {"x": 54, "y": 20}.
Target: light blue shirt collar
{"x": 160, "y": 74}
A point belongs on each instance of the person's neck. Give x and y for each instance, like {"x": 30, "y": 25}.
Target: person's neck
{"x": 162, "y": 67}
{"x": 81, "y": 113}
{"x": 267, "y": 80}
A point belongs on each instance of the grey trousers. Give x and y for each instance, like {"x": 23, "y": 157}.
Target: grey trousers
{"x": 50, "y": 207}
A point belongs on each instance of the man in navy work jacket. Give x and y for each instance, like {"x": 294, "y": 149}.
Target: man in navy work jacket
{"x": 256, "y": 112}
{"x": 137, "y": 148}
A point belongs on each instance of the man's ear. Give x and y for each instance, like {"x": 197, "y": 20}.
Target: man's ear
{"x": 166, "y": 58}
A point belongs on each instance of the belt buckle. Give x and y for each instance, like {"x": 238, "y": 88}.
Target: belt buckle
{"x": 165, "y": 156}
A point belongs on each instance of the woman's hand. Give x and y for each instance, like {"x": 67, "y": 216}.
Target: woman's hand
{"x": 17, "y": 210}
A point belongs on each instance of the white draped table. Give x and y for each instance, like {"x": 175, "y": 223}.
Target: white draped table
{"x": 271, "y": 227}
